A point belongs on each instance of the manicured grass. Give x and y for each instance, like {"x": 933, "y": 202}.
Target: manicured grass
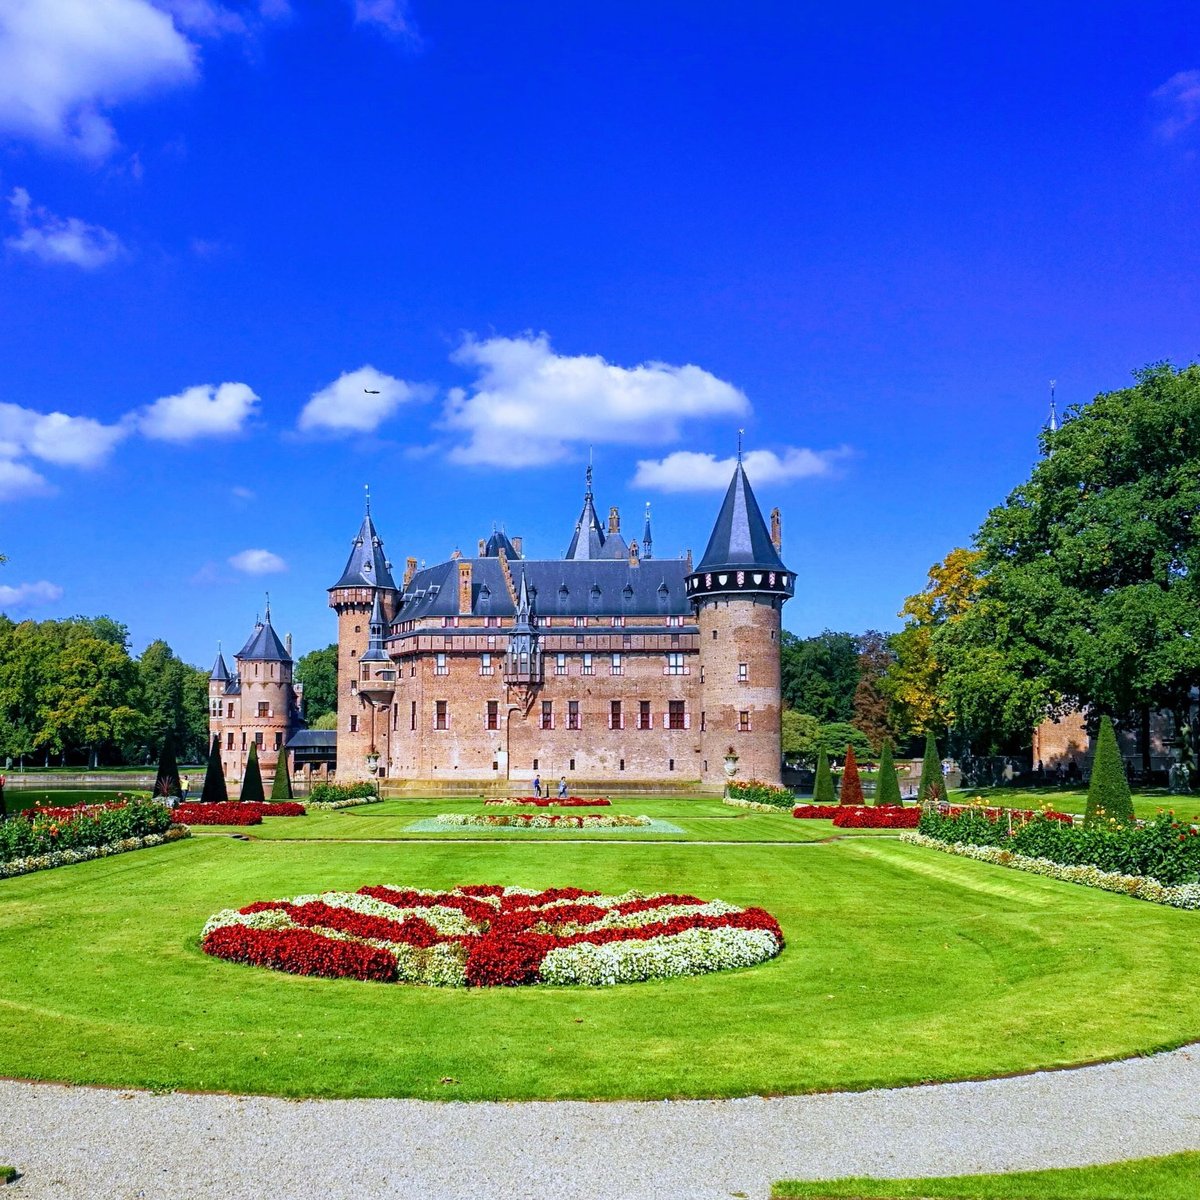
{"x": 1175, "y": 1177}
{"x": 1074, "y": 800}
{"x": 700, "y": 820}
{"x": 901, "y": 966}
{"x": 16, "y": 799}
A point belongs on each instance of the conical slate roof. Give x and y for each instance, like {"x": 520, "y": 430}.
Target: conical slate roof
{"x": 264, "y": 645}
{"x": 367, "y": 565}
{"x": 375, "y": 651}
{"x": 220, "y": 672}
{"x": 588, "y": 541}
{"x": 497, "y": 542}
{"x": 740, "y": 537}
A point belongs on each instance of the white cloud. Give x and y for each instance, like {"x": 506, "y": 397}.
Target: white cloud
{"x": 528, "y": 404}
{"x": 688, "y": 471}
{"x": 18, "y": 480}
{"x": 390, "y": 15}
{"x": 242, "y": 493}
{"x": 257, "y": 562}
{"x": 357, "y": 402}
{"x": 55, "y": 437}
{"x": 63, "y": 62}
{"x": 27, "y": 595}
{"x": 54, "y": 239}
{"x": 1179, "y": 101}
{"x": 196, "y": 412}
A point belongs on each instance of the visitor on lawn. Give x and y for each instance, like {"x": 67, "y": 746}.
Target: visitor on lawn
{"x": 537, "y": 786}
{"x": 562, "y": 788}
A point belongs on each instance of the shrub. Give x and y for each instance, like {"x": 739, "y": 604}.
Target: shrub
{"x": 330, "y": 793}
{"x": 166, "y": 782}
{"x": 252, "y": 784}
{"x": 887, "y": 785}
{"x": 1108, "y": 797}
{"x": 281, "y": 785}
{"x": 214, "y": 791}
{"x": 823, "y": 792}
{"x": 758, "y": 792}
{"x": 38, "y": 831}
{"x": 933, "y": 785}
{"x": 851, "y": 792}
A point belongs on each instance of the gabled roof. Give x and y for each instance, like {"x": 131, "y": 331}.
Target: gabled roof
{"x": 367, "y": 565}
{"x": 264, "y": 645}
{"x": 497, "y": 542}
{"x": 740, "y": 537}
{"x": 220, "y": 672}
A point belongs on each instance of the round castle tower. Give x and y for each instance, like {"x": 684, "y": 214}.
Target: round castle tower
{"x": 738, "y": 590}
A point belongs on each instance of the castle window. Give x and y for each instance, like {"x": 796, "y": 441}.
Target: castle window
{"x": 702, "y": 725}
{"x": 547, "y": 714}
{"x": 229, "y": 742}
{"x": 587, "y": 665}
{"x": 354, "y": 724}
{"x": 618, "y": 622}
{"x": 243, "y": 739}
{"x": 412, "y": 717}
{"x": 579, "y": 639}
{"x": 256, "y": 670}
{"x": 353, "y": 686}
{"x": 264, "y": 709}
{"x": 615, "y": 719}
{"x": 675, "y": 664}
{"x": 573, "y": 714}
{"x": 493, "y": 714}
{"x": 645, "y": 721}
{"x": 673, "y": 622}
{"x": 395, "y": 717}
{"x": 358, "y": 629}
{"x": 258, "y": 739}
{"x": 701, "y": 672}
{"x": 230, "y": 712}
{"x": 714, "y": 635}
{"x": 676, "y": 715}
{"x": 743, "y": 673}
{"x": 535, "y": 764}
{"x": 485, "y": 664}
{"x": 441, "y": 714}
{"x": 353, "y": 653}
{"x": 744, "y": 721}
{"x": 278, "y": 741}
{"x": 670, "y": 764}
{"x": 491, "y": 641}
{"x": 621, "y": 767}
{"x": 618, "y": 665}
{"x": 581, "y": 622}
{"x": 571, "y": 765}
{"x": 440, "y": 667}
{"x": 560, "y": 664}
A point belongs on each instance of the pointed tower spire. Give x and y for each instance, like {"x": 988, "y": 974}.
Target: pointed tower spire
{"x": 1052, "y": 420}
{"x": 367, "y": 565}
{"x": 220, "y": 672}
{"x": 647, "y": 552}
{"x": 588, "y": 539}
{"x": 375, "y": 651}
{"x": 267, "y": 615}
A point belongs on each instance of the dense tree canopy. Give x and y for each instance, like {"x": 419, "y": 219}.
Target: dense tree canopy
{"x": 820, "y": 674}
{"x": 317, "y": 671}
{"x": 1089, "y": 574}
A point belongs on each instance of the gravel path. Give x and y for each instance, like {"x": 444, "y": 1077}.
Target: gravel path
{"x": 95, "y": 1143}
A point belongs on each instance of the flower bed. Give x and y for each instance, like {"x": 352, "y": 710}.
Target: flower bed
{"x": 345, "y": 802}
{"x": 488, "y": 936}
{"x": 885, "y": 816}
{"x": 751, "y": 804}
{"x": 761, "y": 793}
{"x": 35, "y": 832}
{"x": 67, "y": 858}
{"x": 1140, "y": 887}
{"x": 554, "y": 801}
{"x": 1023, "y": 815}
{"x": 818, "y": 812}
{"x": 542, "y": 820}
{"x": 219, "y": 814}
{"x": 332, "y": 793}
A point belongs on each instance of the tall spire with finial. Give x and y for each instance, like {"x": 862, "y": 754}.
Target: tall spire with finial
{"x": 267, "y": 620}
{"x": 367, "y": 490}
{"x": 740, "y": 433}
{"x": 647, "y": 551}
{"x": 1052, "y": 422}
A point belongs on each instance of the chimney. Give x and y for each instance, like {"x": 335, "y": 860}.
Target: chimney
{"x": 614, "y": 520}
{"x": 464, "y": 587}
{"x": 482, "y": 547}
{"x": 633, "y": 554}
{"x": 410, "y": 569}
{"x": 689, "y": 558}
{"x": 518, "y": 544}
{"x": 776, "y": 530}
{"x": 287, "y": 641}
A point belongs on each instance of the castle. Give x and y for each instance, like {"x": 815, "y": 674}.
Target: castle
{"x": 606, "y": 666}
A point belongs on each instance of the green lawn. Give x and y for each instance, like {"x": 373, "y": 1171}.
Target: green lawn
{"x": 902, "y": 965}
{"x": 1074, "y": 800}
{"x": 1175, "y": 1177}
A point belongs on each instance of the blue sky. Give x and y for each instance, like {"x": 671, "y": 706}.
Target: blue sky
{"x": 868, "y": 234}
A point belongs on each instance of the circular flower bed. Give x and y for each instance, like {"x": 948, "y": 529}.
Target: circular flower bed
{"x": 543, "y": 820}
{"x": 490, "y": 936}
{"x": 554, "y": 802}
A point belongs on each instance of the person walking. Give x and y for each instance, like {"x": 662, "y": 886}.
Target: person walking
{"x": 537, "y": 787}
{"x": 185, "y": 786}
{"x": 562, "y": 788}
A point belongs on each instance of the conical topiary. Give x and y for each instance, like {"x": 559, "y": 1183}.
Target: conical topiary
{"x": 1108, "y": 790}
{"x": 252, "y": 786}
{"x": 933, "y": 785}
{"x": 166, "y": 782}
{"x": 887, "y": 785}
{"x": 214, "y": 791}
{"x": 281, "y": 788}
{"x": 823, "y": 792}
{"x": 851, "y": 792}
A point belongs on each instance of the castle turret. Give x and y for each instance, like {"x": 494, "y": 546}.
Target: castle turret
{"x": 365, "y": 588}
{"x": 738, "y": 590}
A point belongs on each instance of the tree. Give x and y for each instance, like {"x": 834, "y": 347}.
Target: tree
{"x": 166, "y": 782}
{"x": 933, "y": 784}
{"x": 872, "y": 709}
{"x": 914, "y": 680}
{"x": 281, "y": 785}
{"x": 174, "y": 699}
{"x": 801, "y": 735}
{"x": 851, "y": 792}
{"x": 887, "y": 786}
{"x": 836, "y": 736}
{"x": 214, "y": 791}
{"x": 823, "y": 791}
{"x": 1092, "y": 569}
{"x": 252, "y": 784}
{"x": 328, "y": 720}
{"x": 1108, "y": 795}
{"x": 819, "y": 674}
{"x": 317, "y": 672}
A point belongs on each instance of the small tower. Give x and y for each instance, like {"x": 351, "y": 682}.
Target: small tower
{"x": 266, "y": 700}
{"x": 738, "y": 590}
{"x": 365, "y": 583}
{"x": 648, "y": 547}
{"x": 523, "y": 658}
{"x": 588, "y": 540}
{"x": 222, "y": 705}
